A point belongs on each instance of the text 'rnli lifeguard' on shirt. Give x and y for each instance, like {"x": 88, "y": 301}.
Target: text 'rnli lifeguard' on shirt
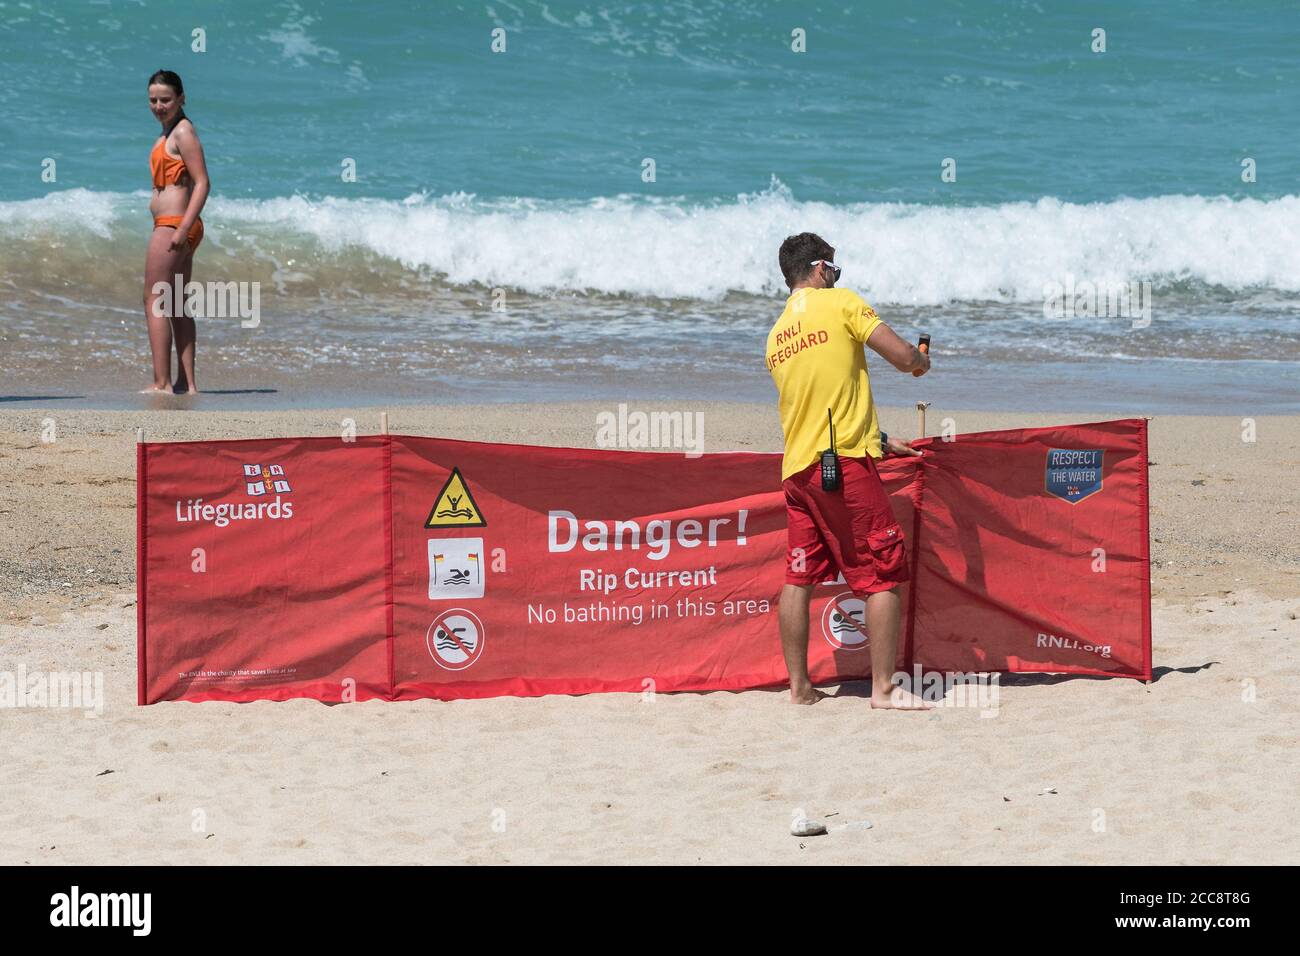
{"x": 814, "y": 353}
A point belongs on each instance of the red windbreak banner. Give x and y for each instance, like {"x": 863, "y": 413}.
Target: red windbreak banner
{"x": 400, "y": 567}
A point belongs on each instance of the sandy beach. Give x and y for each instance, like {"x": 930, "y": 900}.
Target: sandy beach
{"x": 1197, "y": 767}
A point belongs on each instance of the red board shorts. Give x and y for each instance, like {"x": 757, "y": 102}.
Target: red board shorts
{"x": 852, "y": 530}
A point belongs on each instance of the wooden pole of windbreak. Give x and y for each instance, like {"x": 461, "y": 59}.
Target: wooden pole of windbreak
{"x": 383, "y": 423}
{"x": 920, "y": 418}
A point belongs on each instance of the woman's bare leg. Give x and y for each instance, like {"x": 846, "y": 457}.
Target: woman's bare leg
{"x": 186, "y": 336}
{"x": 160, "y": 265}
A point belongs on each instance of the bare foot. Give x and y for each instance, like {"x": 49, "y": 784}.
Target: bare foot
{"x": 180, "y": 388}
{"x": 809, "y": 695}
{"x": 898, "y": 699}
{"x": 166, "y": 389}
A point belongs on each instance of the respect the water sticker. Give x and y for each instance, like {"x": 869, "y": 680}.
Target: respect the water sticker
{"x": 1073, "y": 473}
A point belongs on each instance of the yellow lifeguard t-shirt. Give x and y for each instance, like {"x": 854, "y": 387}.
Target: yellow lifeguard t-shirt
{"x": 814, "y": 353}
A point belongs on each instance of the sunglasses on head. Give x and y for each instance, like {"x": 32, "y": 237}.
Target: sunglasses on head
{"x": 835, "y": 270}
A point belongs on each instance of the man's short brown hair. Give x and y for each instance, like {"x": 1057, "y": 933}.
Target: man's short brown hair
{"x": 799, "y": 252}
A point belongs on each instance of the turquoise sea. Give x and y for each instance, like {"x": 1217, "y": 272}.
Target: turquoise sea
{"x": 518, "y": 178}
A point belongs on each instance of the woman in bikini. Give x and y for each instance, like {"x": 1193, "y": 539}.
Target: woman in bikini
{"x": 180, "y": 188}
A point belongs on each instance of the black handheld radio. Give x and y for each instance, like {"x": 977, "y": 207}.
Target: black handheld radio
{"x": 831, "y": 461}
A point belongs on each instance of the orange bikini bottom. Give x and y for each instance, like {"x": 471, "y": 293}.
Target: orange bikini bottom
{"x": 196, "y": 230}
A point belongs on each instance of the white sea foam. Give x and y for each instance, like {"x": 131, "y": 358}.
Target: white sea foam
{"x": 670, "y": 248}
{"x": 68, "y": 209}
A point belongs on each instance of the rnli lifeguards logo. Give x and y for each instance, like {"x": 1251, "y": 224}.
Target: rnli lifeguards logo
{"x": 1073, "y": 474}
{"x": 264, "y": 479}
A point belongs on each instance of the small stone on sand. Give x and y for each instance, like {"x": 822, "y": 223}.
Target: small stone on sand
{"x": 803, "y": 827}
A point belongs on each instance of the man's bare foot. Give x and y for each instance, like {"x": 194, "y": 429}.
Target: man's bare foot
{"x": 898, "y": 699}
{"x": 165, "y": 389}
{"x": 807, "y": 695}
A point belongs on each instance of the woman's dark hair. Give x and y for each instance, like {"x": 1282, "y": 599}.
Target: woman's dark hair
{"x": 168, "y": 78}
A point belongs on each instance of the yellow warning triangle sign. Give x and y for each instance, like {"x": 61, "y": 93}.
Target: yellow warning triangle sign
{"x": 455, "y": 506}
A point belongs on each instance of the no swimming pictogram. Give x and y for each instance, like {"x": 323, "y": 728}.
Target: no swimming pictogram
{"x": 844, "y": 622}
{"x": 455, "y": 639}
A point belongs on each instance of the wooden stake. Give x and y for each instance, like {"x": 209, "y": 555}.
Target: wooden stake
{"x": 920, "y": 418}
{"x": 383, "y": 423}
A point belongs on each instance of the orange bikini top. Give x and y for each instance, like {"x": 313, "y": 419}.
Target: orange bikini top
{"x": 167, "y": 170}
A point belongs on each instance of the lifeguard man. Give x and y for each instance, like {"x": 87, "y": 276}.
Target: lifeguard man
{"x": 815, "y": 355}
